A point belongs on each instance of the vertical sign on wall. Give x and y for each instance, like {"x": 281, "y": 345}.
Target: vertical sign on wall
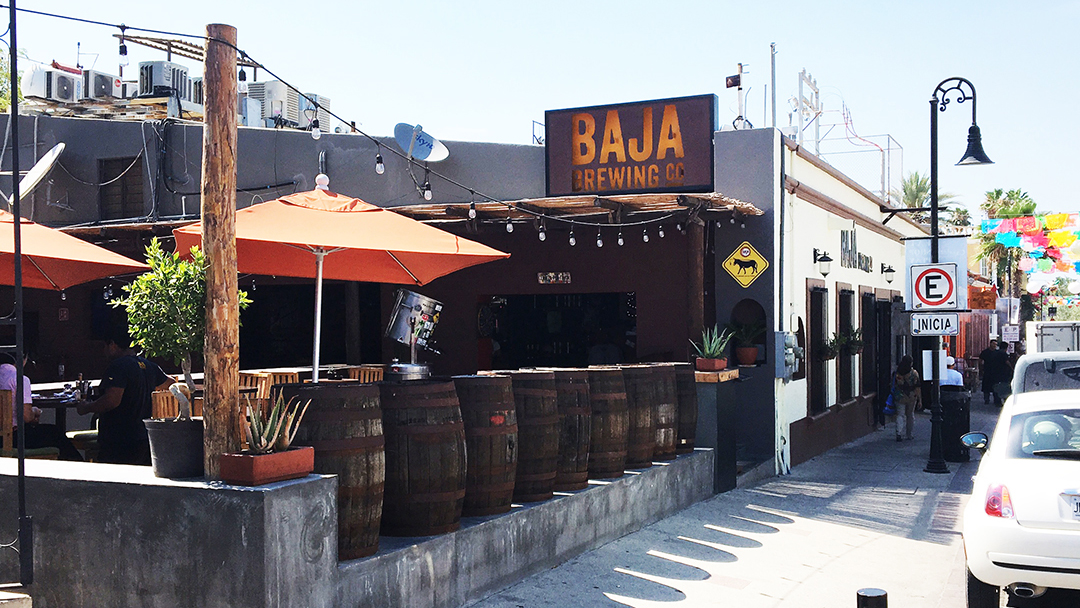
{"x": 651, "y": 146}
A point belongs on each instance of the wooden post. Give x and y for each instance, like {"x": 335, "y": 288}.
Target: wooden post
{"x": 695, "y": 284}
{"x": 221, "y": 352}
{"x": 352, "y": 323}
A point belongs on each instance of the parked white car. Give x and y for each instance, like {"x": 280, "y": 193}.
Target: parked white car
{"x": 1022, "y": 523}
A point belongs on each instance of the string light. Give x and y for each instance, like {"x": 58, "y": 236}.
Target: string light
{"x": 621, "y": 241}
{"x": 472, "y": 212}
{"x": 661, "y": 231}
{"x": 599, "y": 239}
{"x": 679, "y": 227}
{"x": 645, "y": 235}
{"x": 243, "y": 74}
{"x": 573, "y": 241}
{"x": 63, "y": 295}
{"x": 315, "y": 132}
{"x": 542, "y": 234}
{"x": 427, "y": 191}
{"x": 380, "y": 168}
{"x": 123, "y": 47}
{"x": 509, "y": 225}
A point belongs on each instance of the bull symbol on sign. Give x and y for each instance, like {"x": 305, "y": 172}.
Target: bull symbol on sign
{"x": 750, "y": 265}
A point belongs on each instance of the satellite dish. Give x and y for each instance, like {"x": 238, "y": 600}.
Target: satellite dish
{"x": 419, "y": 145}
{"x": 38, "y": 172}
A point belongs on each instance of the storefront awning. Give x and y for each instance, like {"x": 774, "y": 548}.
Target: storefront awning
{"x": 622, "y": 206}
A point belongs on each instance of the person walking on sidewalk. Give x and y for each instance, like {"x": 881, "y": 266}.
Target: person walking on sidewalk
{"x": 909, "y": 394}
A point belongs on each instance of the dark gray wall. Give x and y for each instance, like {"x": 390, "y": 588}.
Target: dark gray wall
{"x": 746, "y": 168}
{"x": 172, "y": 167}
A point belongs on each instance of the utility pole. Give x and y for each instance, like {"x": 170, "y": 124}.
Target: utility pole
{"x": 221, "y": 352}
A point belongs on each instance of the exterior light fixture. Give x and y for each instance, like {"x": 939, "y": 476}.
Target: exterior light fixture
{"x": 599, "y": 239}
{"x": 660, "y": 231}
{"x": 380, "y": 168}
{"x": 472, "y": 211}
{"x": 645, "y": 235}
{"x": 573, "y": 240}
{"x": 316, "y": 133}
{"x": 426, "y": 190}
{"x": 621, "y": 240}
{"x": 823, "y": 261}
{"x": 888, "y": 271}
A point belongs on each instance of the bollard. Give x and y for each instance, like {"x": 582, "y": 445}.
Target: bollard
{"x": 872, "y": 598}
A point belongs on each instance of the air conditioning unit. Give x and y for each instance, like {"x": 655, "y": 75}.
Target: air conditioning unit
{"x": 54, "y": 85}
{"x": 99, "y": 85}
{"x": 129, "y": 89}
{"x": 323, "y": 112}
{"x": 162, "y": 78}
{"x": 198, "y": 92}
{"x": 279, "y": 102}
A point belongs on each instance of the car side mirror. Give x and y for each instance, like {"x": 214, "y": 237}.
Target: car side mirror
{"x": 976, "y": 440}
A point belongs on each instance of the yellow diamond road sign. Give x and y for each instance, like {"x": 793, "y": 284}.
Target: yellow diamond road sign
{"x": 745, "y": 264}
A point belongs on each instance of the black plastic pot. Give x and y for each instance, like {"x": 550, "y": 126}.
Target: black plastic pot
{"x": 176, "y": 447}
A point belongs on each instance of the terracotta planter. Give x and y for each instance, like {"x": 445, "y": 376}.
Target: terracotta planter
{"x": 246, "y": 469}
{"x": 710, "y": 365}
{"x": 746, "y": 355}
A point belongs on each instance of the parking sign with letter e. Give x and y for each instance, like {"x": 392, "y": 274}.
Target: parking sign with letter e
{"x": 933, "y": 286}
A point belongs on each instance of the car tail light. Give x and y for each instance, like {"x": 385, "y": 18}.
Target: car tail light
{"x": 998, "y": 503}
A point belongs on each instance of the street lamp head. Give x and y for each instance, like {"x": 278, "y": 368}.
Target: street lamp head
{"x": 974, "y": 154}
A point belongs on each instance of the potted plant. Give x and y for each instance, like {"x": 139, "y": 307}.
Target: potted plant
{"x": 269, "y": 456}
{"x": 166, "y": 310}
{"x": 711, "y": 350}
{"x": 745, "y": 334}
{"x": 853, "y": 342}
{"x": 832, "y": 347}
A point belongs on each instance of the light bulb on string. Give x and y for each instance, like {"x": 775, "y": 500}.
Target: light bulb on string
{"x": 427, "y": 191}
{"x": 621, "y": 240}
{"x": 573, "y": 241}
{"x": 107, "y": 293}
{"x": 252, "y": 284}
{"x": 661, "y": 231}
{"x": 679, "y": 227}
{"x": 542, "y": 234}
{"x": 380, "y": 168}
{"x": 742, "y": 225}
{"x": 123, "y": 48}
{"x": 472, "y": 211}
{"x": 509, "y": 225}
{"x": 733, "y": 219}
{"x": 599, "y": 239}
{"x": 645, "y": 235}
{"x": 243, "y": 75}
{"x": 63, "y": 295}
{"x": 315, "y": 132}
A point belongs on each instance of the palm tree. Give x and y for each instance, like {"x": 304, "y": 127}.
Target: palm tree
{"x": 1000, "y": 203}
{"x": 959, "y": 216}
{"x": 915, "y": 192}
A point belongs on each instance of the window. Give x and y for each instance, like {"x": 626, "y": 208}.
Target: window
{"x": 817, "y": 318}
{"x": 121, "y": 193}
{"x": 868, "y": 359}
{"x": 846, "y": 360}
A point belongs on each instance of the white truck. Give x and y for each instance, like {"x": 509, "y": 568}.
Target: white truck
{"x": 1053, "y": 336}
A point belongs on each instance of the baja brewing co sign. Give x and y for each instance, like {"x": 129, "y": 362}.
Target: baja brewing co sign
{"x": 651, "y": 146}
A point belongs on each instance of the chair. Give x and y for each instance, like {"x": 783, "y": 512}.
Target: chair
{"x": 261, "y": 381}
{"x": 7, "y": 435}
{"x": 86, "y": 441}
{"x": 368, "y": 372}
{"x": 284, "y": 378}
{"x": 165, "y": 405}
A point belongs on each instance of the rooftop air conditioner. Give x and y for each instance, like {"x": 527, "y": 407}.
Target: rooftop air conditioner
{"x": 309, "y": 112}
{"x": 279, "y": 102}
{"x": 54, "y": 85}
{"x": 99, "y": 85}
{"x": 197, "y": 90}
{"x": 162, "y": 78}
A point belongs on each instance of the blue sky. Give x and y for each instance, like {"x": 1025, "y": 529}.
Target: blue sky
{"x": 483, "y": 71}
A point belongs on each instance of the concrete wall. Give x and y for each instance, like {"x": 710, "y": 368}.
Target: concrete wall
{"x": 490, "y": 553}
{"x": 112, "y": 535}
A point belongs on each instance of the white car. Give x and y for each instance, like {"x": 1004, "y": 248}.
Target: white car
{"x": 1022, "y": 523}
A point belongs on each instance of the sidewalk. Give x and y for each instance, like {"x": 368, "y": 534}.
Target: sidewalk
{"x": 862, "y": 515}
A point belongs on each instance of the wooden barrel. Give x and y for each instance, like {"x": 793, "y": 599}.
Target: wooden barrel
{"x": 425, "y": 458}
{"x": 491, "y": 442}
{"x": 536, "y": 402}
{"x": 610, "y": 423}
{"x": 686, "y": 391}
{"x": 575, "y": 428}
{"x": 665, "y": 411}
{"x": 640, "y": 382}
{"x": 344, "y": 425}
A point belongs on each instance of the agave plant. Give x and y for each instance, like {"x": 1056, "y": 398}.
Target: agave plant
{"x": 275, "y": 432}
{"x": 714, "y": 342}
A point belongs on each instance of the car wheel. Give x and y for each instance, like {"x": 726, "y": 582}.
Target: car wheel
{"x": 980, "y": 594}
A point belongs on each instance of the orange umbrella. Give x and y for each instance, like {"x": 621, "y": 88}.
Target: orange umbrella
{"x": 320, "y": 234}
{"x": 54, "y": 260}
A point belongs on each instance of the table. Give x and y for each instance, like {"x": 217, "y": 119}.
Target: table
{"x": 60, "y": 404}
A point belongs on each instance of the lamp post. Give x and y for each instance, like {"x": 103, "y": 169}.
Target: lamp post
{"x": 974, "y": 155}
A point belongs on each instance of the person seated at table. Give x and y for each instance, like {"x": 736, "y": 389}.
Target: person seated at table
{"x": 36, "y": 435}
{"x": 125, "y": 402}
{"x": 952, "y": 376}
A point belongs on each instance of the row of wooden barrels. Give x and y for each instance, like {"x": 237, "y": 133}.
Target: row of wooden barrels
{"x": 413, "y": 457}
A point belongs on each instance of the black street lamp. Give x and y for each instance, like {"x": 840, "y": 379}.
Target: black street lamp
{"x": 974, "y": 155}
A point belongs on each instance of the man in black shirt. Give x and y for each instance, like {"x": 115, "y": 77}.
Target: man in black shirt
{"x": 125, "y": 402}
{"x": 985, "y": 357}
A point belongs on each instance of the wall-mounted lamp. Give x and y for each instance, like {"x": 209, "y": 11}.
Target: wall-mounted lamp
{"x": 888, "y": 271}
{"x": 823, "y": 261}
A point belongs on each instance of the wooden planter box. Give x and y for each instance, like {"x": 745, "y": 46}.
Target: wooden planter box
{"x": 245, "y": 469}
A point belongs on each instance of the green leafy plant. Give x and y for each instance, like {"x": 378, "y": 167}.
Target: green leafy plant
{"x": 745, "y": 333}
{"x": 166, "y": 309}
{"x": 832, "y": 347}
{"x": 714, "y": 342}
{"x": 853, "y": 341}
{"x": 276, "y": 431}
